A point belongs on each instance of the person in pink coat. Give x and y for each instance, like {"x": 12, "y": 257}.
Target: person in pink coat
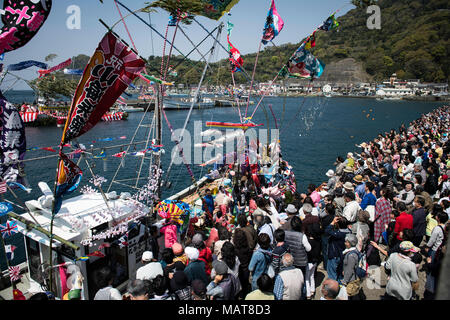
{"x": 170, "y": 235}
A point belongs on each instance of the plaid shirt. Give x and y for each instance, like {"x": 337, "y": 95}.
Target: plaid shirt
{"x": 383, "y": 211}
{"x": 184, "y": 294}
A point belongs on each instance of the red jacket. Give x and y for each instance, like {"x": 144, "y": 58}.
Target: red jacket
{"x": 206, "y": 256}
{"x": 403, "y": 221}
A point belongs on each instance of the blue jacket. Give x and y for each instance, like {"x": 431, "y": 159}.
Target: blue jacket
{"x": 336, "y": 242}
{"x": 210, "y": 203}
{"x": 368, "y": 200}
{"x": 259, "y": 264}
{"x": 361, "y": 190}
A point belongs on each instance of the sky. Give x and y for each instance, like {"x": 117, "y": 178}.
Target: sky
{"x": 301, "y": 17}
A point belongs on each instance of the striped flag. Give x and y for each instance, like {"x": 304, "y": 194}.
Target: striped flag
{"x": 3, "y": 188}
{"x": 14, "y": 273}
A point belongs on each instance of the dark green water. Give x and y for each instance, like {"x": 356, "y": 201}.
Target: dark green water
{"x": 320, "y": 130}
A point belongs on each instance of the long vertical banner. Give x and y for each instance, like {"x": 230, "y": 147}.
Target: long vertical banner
{"x": 12, "y": 142}
{"x": 22, "y": 20}
{"x": 109, "y": 73}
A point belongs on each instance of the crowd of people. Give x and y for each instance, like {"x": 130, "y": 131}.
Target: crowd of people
{"x": 385, "y": 206}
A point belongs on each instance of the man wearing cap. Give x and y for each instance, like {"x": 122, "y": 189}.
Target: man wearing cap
{"x": 291, "y": 211}
{"x": 151, "y": 268}
{"x": 331, "y": 185}
{"x": 361, "y": 186}
{"x": 196, "y": 268}
{"x": 224, "y": 286}
{"x": 403, "y": 273}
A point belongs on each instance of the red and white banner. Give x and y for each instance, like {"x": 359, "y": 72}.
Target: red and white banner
{"x": 111, "y": 70}
{"x": 113, "y": 117}
{"x": 28, "y": 117}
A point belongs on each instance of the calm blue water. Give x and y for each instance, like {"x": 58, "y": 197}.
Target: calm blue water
{"x": 320, "y": 130}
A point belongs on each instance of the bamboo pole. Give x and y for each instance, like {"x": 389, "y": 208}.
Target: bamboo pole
{"x": 32, "y": 225}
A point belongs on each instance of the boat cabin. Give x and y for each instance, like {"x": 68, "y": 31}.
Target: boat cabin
{"x": 86, "y": 222}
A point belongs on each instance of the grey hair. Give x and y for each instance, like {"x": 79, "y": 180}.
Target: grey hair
{"x": 137, "y": 288}
{"x": 287, "y": 260}
{"x": 352, "y": 239}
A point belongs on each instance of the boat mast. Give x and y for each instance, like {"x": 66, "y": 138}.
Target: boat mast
{"x": 158, "y": 130}
{"x": 196, "y": 96}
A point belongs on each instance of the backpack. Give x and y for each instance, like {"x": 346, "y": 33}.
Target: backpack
{"x": 361, "y": 267}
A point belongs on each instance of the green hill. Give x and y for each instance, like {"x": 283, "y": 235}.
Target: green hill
{"x": 413, "y": 42}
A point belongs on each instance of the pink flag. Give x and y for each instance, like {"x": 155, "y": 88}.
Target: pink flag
{"x": 274, "y": 24}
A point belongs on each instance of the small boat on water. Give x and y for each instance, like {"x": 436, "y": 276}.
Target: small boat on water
{"x": 186, "y": 103}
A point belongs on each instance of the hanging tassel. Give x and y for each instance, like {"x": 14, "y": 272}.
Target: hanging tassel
{"x": 105, "y": 165}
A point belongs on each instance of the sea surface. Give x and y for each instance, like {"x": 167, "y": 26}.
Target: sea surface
{"x": 314, "y": 131}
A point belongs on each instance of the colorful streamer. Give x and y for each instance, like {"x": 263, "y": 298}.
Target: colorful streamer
{"x": 64, "y": 64}
{"x": 27, "y": 64}
{"x": 69, "y": 177}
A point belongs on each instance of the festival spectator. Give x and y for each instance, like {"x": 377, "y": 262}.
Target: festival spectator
{"x": 244, "y": 254}
{"x": 137, "y": 290}
{"x": 336, "y": 231}
{"x": 224, "y": 285}
{"x": 151, "y": 268}
{"x": 205, "y": 252}
{"x": 351, "y": 207}
{"x": 383, "y": 211}
{"x": 179, "y": 284}
{"x": 265, "y": 290}
{"x": 249, "y": 231}
{"x": 261, "y": 259}
{"x": 104, "y": 278}
{"x": 403, "y": 273}
{"x": 280, "y": 250}
{"x": 289, "y": 282}
{"x": 419, "y": 220}
{"x": 403, "y": 221}
{"x": 195, "y": 269}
